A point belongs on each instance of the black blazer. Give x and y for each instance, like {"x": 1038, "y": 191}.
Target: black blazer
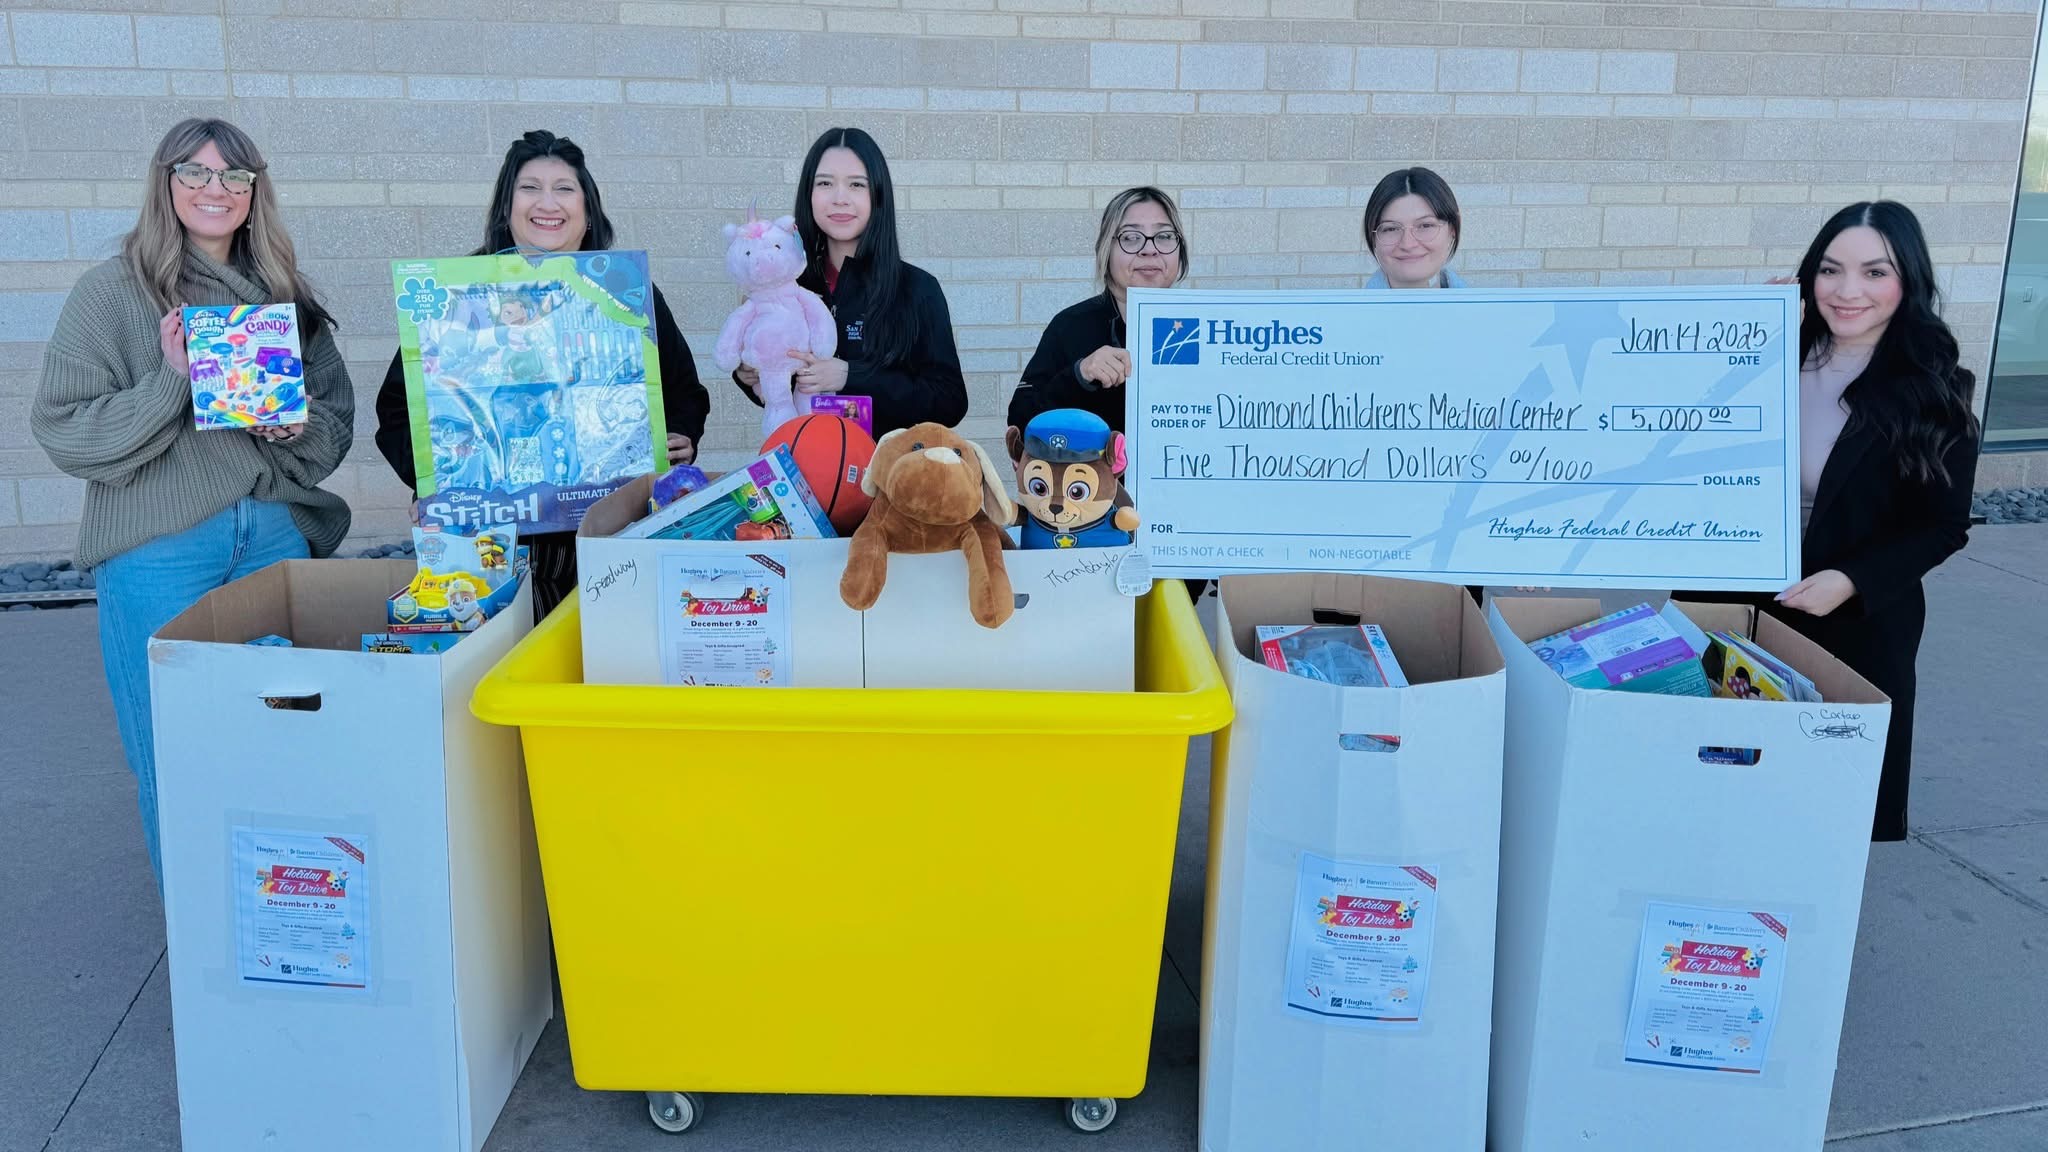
{"x": 684, "y": 402}
{"x": 922, "y": 384}
{"x": 1884, "y": 531}
{"x": 1053, "y": 377}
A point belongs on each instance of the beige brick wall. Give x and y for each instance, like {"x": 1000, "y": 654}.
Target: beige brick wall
{"x": 1591, "y": 143}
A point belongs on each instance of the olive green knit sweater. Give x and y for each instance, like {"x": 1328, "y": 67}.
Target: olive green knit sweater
{"x": 112, "y": 412}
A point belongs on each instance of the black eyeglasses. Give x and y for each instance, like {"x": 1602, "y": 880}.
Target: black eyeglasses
{"x": 196, "y": 176}
{"x": 1165, "y": 241}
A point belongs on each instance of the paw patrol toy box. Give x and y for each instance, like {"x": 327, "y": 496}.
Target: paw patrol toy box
{"x": 464, "y": 578}
{"x": 247, "y": 371}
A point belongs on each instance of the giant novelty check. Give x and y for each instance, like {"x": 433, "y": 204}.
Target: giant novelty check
{"x": 1568, "y": 437}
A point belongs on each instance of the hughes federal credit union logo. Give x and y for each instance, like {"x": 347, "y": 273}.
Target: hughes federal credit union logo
{"x": 1178, "y": 340}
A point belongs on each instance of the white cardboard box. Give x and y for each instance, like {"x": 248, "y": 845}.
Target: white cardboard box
{"x": 1277, "y": 1077}
{"x": 1607, "y": 807}
{"x": 919, "y": 634}
{"x": 1072, "y": 630}
{"x": 323, "y": 740}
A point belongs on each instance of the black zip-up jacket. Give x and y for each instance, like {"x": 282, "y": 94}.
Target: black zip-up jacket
{"x": 684, "y": 401}
{"x": 925, "y": 382}
{"x": 1053, "y": 377}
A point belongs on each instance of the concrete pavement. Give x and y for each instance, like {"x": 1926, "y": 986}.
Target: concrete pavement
{"x": 1937, "y": 1052}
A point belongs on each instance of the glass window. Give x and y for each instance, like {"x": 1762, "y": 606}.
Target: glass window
{"x": 2016, "y": 408}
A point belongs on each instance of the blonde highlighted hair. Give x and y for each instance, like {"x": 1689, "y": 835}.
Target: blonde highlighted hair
{"x": 155, "y": 250}
{"x": 1113, "y": 219}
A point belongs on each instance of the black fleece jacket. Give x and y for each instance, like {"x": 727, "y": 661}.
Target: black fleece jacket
{"x": 924, "y": 382}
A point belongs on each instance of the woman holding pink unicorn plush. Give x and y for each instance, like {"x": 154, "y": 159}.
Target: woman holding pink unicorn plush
{"x": 779, "y": 319}
{"x": 893, "y": 334}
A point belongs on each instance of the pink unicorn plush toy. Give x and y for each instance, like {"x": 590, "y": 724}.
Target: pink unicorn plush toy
{"x": 765, "y": 258}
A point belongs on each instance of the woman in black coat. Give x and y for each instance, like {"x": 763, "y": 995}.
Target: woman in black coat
{"x": 1888, "y": 460}
{"x": 1081, "y": 361}
{"x": 546, "y": 198}
{"x": 895, "y": 332}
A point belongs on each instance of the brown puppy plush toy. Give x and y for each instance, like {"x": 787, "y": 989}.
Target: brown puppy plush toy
{"x": 934, "y": 491}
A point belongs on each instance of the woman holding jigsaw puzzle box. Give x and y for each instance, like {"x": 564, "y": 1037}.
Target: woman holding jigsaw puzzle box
{"x": 546, "y": 199}
{"x": 173, "y": 511}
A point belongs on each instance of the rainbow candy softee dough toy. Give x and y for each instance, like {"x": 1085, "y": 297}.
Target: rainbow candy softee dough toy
{"x": 247, "y": 370}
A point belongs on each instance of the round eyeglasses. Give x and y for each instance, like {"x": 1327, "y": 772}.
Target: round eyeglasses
{"x": 1165, "y": 242}
{"x": 196, "y": 176}
{"x": 1426, "y": 231}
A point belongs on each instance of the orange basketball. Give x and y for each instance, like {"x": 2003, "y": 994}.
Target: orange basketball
{"x": 833, "y": 454}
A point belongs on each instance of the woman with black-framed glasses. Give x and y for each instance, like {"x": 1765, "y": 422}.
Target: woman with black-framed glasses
{"x": 1080, "y": 361}
{"x": 1412, "y": 229}
{"x": 173, "y": 511}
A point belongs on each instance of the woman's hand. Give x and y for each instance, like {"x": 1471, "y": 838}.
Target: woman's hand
{"x": 1109, "y": 366}
{"x": 1819, "y": 594}
{"x": 818, "y": 374}
{"x": 170, "y": 332}
{"x": 750, "y": 377}
{"x": 681, "y": 449}
{"x": 277, "y": 433}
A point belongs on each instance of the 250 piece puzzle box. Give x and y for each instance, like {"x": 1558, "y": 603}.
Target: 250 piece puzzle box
{"x": 533, "y": 383}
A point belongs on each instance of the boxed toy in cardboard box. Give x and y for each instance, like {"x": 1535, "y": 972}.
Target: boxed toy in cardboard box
{"x": 1353, "y": 656}
{"x": 766, "y": 500}
{"x": 465, "y": 576}
{"x": 1634, "y": 650}
{"x": 246, "y": 365}
{"x": 533, "y": 383}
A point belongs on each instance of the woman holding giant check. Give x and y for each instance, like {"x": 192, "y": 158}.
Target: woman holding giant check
{"x": 1080, "y": 361}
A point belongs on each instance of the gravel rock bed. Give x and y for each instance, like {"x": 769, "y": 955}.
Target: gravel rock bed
{"x": 62, "y": 576}
{"x": 2012, "y": 506}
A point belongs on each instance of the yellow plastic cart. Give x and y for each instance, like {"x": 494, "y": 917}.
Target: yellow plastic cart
{"x": 919, "y": 892}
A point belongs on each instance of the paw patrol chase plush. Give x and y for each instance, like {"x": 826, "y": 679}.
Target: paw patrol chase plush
{"x": 1068, "y": 462}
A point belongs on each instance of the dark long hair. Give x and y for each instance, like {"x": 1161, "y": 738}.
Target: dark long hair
{"x": 890, "y": 329}
{"x": 1914, "y": 394}
{"x": 1414, "y": 182}
{"x": 533, "y": 146}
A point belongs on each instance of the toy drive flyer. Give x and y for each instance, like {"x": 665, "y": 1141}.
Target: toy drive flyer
{"x": 1707, "y": 988}
{"x": 533, "y": 383}
{"x": 1358, "y": 949}
{"x": 302, "y": 908}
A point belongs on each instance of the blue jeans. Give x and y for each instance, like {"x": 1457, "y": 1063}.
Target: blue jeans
{"x": 142, "y": 589}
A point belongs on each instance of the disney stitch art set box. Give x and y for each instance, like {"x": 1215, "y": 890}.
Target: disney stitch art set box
{"x": 533, "y": 383}
{"x": 247, "y": 369}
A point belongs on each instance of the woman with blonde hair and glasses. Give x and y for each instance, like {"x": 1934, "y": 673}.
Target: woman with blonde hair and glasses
{"x": 1081, "y": 362}
{"x": 173, "y": 512}
{"x": 1412, "y": 231}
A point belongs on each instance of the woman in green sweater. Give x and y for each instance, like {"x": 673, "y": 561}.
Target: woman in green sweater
{"x": 172, "y": 512}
